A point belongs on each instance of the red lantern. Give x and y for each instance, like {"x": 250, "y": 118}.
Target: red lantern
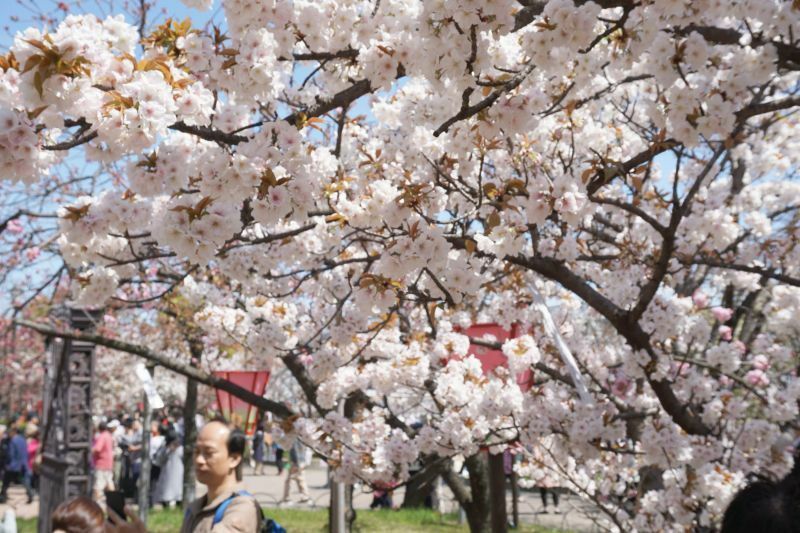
{"x": 491, "y": 358}
{"x": 237, "y": 411}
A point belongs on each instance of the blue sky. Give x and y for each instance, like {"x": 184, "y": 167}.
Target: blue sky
{"x": 17, "y": 15}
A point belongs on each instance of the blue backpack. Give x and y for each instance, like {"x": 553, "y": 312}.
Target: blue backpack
{"x": 268, "y": 525}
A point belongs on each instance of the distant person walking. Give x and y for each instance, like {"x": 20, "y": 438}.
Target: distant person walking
{"x": 278, "y": 457}
{"x": 32, "y": 432}
{"x": 298, "y": 461}
{"x": 103, "y": 455}
{"x": 16, "y": 470}
{"x": 5, "y": 442}
{"x": 259, "y": 448}
{"x": 131, "y": 445}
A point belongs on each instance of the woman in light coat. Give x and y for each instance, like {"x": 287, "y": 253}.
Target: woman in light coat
{"x": 169, "y": 488}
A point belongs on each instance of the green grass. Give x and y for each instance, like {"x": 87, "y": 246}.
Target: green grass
{"x": 316, "y": 520}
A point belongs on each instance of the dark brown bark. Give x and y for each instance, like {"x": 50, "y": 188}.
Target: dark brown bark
{"x": 475, "y": 499}
{"x": 515, "y": 499}
{"x": 497, "y": 493}
{"x": 169, "y": 363}
{"x": 190, "y": 428}
{"x": 422, "y": 483}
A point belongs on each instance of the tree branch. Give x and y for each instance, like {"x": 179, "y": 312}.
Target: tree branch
{"x": 468, "y": 111}
{"x": 167, "y": 362}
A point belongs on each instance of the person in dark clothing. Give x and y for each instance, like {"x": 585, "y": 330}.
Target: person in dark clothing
{"x": 16, "y": 465}
{"x": 131, "y": 446}
{"x": 259, "y": 448}
{"x": 5, "y": 441}
{"x": 279, "y": 458}
{"x": 543, "y": 491}
{"x": 382, "y": 496}
{"x": 766, "y": 506}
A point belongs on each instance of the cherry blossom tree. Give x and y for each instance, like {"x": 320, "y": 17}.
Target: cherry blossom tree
{"x": 21, "y": 376}
{"x": 340, "y": 187}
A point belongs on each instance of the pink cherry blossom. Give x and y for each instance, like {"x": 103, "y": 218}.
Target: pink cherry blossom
{"x": 760, "y": 362}
{"x": 722, "y": 314}
{"x": 14, "y": 226}
{"x": 700, "y": 299}
{"x": 757, "y": 378}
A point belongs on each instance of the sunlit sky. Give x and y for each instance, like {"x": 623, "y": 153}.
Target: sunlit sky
{"x": 19, "y": 14}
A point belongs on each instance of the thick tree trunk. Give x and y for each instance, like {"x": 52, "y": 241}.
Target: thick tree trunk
{"x": 422, "y": 484}
{"x": 475, "y": 500}
{"x": 189, "y": 440}
{"x": 350, "y": 516}
{"x": 478, "y": 510}
{"x": 515, "y": 499}
{"x": 497, "y": 493}
{"x": 190, "y": 426}
{"x": 143, "y": 486}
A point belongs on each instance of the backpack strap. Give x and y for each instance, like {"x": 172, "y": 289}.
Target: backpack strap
{"x": 221, "y": 508}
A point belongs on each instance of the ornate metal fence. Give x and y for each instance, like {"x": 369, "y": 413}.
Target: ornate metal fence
{"x": 67, "y": 417}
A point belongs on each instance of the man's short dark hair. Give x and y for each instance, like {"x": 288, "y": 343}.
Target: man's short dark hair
{"x": 765, "y": 506}
{"x": 235, "y": 444}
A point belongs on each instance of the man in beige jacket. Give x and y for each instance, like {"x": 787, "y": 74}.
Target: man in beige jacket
{"x": 218, "y": 464}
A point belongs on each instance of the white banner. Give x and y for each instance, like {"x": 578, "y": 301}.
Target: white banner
{"x": 563, "y": 350}
{"x": 149, "y": 387}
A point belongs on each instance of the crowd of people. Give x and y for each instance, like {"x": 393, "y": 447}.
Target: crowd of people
{"x": 117, "y": 453}
{"x": 116, "y": 458}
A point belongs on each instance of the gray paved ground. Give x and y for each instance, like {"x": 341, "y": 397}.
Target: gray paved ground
{"x": 573, "y": 513}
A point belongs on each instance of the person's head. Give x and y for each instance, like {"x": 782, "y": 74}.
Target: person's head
{"x": 218, "y": 453}
{"x": 766, "y": 507}
{"x": 102, "y": 426}
{"x": 32, "y": 432}
{"x": 78, "y": 514}
{"x": 170, "y": 435}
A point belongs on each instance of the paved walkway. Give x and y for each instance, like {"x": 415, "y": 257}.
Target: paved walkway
{"x": 573, "y": 513}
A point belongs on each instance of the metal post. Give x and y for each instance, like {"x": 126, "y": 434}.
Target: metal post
{"x": 144, "y": 476}
{"x": 515, "y": 498}
{"x": 338, "y": 507}
{"x": 67, "y": 417}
